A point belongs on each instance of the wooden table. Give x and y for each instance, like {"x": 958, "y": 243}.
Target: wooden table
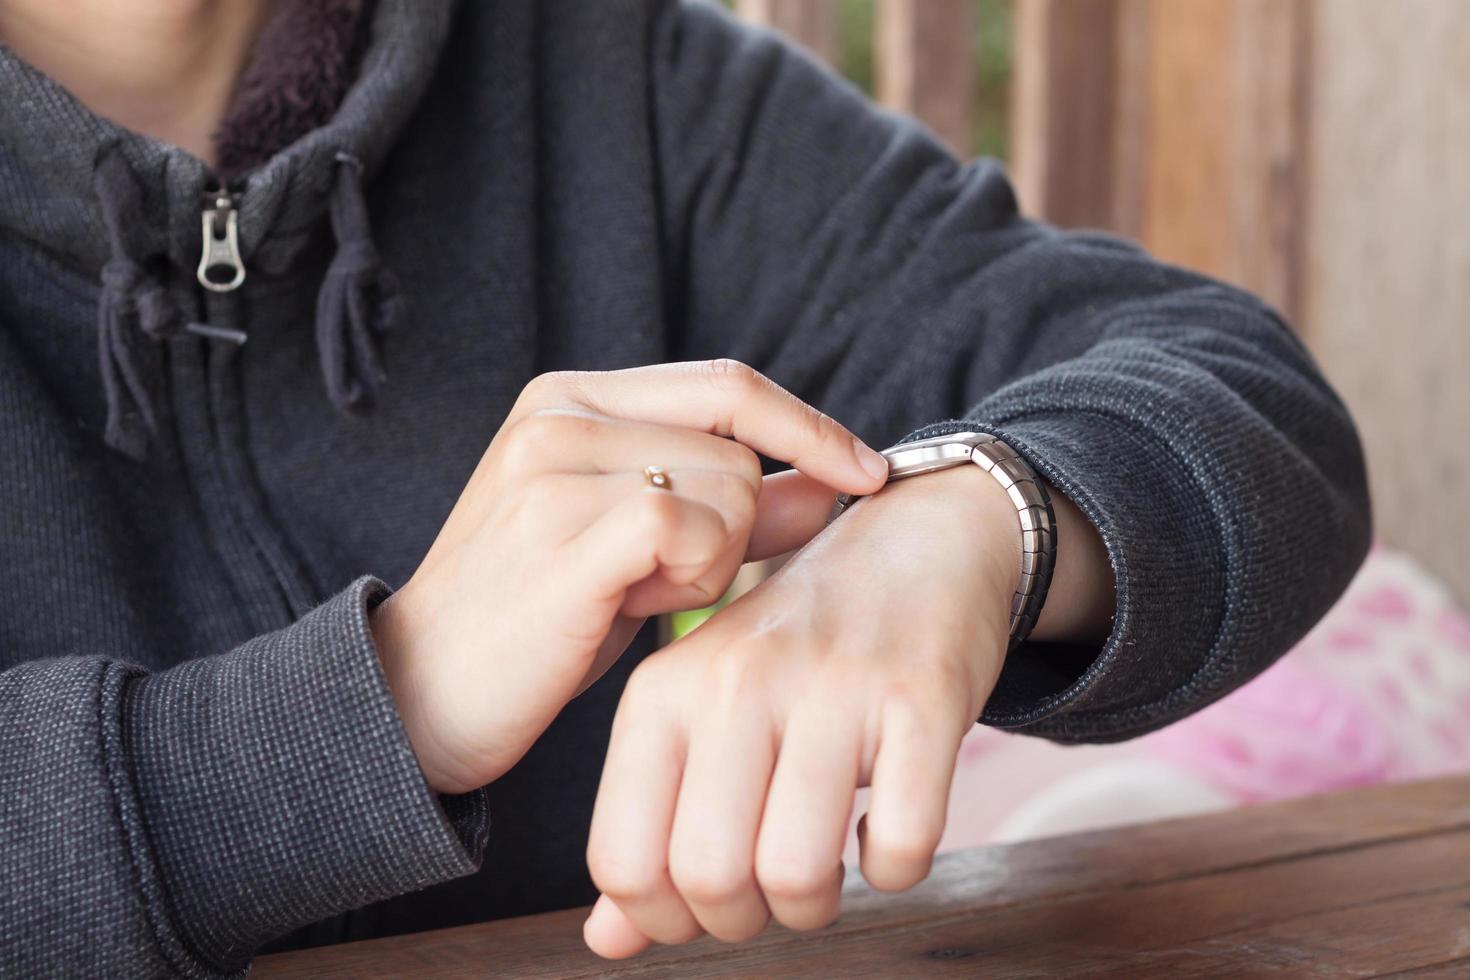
{"x": 1363, "y": 884}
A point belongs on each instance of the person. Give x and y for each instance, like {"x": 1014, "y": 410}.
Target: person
{"x": 371, "y": 376}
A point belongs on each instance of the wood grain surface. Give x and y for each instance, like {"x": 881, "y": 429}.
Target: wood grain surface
{"x": 1387, "y": 286}
{"x": 1312, "y": 151}
{"x": 925, "y": 64}
{"x": 1371, "y": 883}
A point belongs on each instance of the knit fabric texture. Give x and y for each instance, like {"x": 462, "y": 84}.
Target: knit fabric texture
{"x": 199, "y": 757}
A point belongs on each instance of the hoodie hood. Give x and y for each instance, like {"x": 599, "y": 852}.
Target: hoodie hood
{"x": 129, "y": 209}
{"x": 298, "y": 70}
{"x": 52, "y": 145}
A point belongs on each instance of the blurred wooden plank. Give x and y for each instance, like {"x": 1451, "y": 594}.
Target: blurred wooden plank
{"x": 1388, "y": 249}
{"x": 1374, "y": 879}
{"x": 1068, "y": 112}
{"x": 1225, "y": 153}
{"x": 1272, "y": 65}
{"x": 813, "y": 23}
{"x": 1186, "y": 213}
{"x": 1456, "y": 969}
{"x": 1314, "y": 153}
{"x": 925, "y": 64}
{"x": 1180, "y": 124}
{"x": 1130, "y": 117}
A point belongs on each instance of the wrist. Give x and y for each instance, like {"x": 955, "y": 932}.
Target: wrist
{"x": 1080, "y": 601}
{"x": 1026, "y": 491}
{"x": 983, "y": 518}
{"x": 965, "y": 526}
{"x": 393, "y": 635}
{"x": 967, "y": 503}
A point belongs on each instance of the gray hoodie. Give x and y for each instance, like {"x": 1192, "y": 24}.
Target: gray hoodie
{"x": 198, "y": 754}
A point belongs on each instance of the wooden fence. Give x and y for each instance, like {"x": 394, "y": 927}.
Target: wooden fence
{"x": 1316, "y": 152}
{"x": 922, "y": 52}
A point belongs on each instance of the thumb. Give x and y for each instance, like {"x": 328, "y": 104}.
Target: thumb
{"x": 791, "y": 510}
{"x": 611, "y": 934}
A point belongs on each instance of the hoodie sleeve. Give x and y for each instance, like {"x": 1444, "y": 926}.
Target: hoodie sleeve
{"x": 169, "y": 823}
{"x": 842, "y": 251}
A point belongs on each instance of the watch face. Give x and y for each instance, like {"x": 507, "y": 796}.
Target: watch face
{"x": 929, "y": 455}
{"x": 924, "y": 456}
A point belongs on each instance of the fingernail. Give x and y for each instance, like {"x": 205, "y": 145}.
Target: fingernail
{"x": 871, "y": 460}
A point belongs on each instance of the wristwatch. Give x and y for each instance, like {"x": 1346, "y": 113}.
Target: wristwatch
{"x": 1027, "y": 492}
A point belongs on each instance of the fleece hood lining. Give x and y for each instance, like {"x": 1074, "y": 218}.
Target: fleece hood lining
{"x": 298, "y": 71}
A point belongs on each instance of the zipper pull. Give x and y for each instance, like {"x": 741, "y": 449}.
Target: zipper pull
{"x": 221, "y": 270}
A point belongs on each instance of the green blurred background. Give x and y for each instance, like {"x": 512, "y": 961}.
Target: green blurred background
{"x": 992, "y": 44}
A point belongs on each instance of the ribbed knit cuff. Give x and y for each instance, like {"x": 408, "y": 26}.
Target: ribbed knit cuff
{"x": 1170, "y": 583}
{"x": 276, "y": 787}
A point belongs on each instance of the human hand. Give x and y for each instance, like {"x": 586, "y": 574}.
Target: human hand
{"x": 558, "y": 547}
{"x": 736, "y": 751}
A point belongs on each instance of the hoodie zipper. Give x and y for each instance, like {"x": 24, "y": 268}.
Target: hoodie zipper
{"x": 261, "y": 557}
{"x": 221, "y": 270}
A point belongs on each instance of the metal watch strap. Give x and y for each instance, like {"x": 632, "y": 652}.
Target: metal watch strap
{"x": 1026, "y": 491}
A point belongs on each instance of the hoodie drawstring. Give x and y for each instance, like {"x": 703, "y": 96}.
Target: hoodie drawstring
{"x": 132, "y": 300}
{"x": 359, "y": 299}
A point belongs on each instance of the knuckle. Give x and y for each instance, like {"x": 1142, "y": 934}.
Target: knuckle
{"x": 944, "y": 670}
{"x": 735, "y": 384}
{"x": 733, "y": 374}
{"x": 658, "y": 686}
{"x": 819, "y": 426}
{"x": 731, "y": 677}
{"x": 792, "y": 879}
{"x": 743, "y": 932}
{"x": 545, "y": 388}
{"x": 679, "y": 935}
{"x": 812, "y": 921}
{"x": 931, "y": 698}
{"x": 519, "y": 449}
{"x": 913, "y": 695}
{"x": 847, "y": 677}
{"x": 538, "y": 504}
{"x": 565, "y": 427}
{"x": 659, "y": 511}
{"x": 810, "y": 924}
{"x": 618, "y": 878}
{"x": 707, "y": 590}
{"x": 544, "y": 431}
{"x": 901, "y": 699}
{"x": 642, "y": 687}
{"x": 907, "y": 720}
{"x": 709, "y": 882}
{"x": 745, "y": 464}
{"x": 738, "y": 496}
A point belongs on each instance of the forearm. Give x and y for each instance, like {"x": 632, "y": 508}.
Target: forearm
{"x": 1080, "y": 603}
{"x": 903, "y": 293}
{"x": 170, "y": 822}
{"x": 304, "y": 715}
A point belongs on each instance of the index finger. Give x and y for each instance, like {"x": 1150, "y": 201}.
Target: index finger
{"x": 724, "y": 398}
